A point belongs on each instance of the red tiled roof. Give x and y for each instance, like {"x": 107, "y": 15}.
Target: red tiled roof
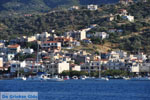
{"x": 50, "y": 42}
{"x": 13, "y": 46}
{"x": 46, "y": 57}
{"x": 66, "y": 39}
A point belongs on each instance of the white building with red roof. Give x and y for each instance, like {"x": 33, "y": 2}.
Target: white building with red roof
{"x": 13, "y": 49}
{"x": 51, "y": 46}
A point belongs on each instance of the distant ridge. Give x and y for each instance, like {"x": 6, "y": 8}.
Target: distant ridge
{"x": 44, "y": 5}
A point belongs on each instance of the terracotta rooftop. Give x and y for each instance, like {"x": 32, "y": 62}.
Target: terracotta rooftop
{"x": 13, "y": 46}
{"x": 46, "y": 57}
{"x": 50, "y": 42}
{"x": 66, "y": 39}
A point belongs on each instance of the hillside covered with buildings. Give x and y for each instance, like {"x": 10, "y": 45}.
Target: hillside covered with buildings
{"x": 80, "y": 39}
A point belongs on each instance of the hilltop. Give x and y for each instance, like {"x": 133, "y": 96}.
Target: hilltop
{"x": 36, "y": 6}
{"x": 135, "y": 34}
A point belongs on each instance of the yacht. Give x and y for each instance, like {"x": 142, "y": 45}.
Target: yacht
{"x": 102, "y": 79}
{"x": 55, "y": 79}
{"x": 75, "y": 77}
{"x": 126, "y": 78}
{"x": 83, "y": 77}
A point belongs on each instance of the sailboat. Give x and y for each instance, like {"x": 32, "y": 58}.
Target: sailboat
{"x": 101, "y": 78}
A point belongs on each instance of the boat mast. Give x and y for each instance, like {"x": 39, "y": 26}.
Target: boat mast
{"x": 99, "y": 65}
{"x": 37, "y": 57}
{"x": 138, "y": 61}
{"x": 17, "y": 71}
{"x": 89, "y": 68}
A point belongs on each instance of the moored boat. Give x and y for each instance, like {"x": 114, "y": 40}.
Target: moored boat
{"x": 102, "y": 79}
{"x": 126, "y": 78}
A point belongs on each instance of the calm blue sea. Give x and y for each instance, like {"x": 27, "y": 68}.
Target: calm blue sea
{"x": 82, "y": 89}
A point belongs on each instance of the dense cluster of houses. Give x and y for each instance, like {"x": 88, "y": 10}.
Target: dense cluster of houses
{"x": 53, "y": 56}
{"x": 54, "y": 53}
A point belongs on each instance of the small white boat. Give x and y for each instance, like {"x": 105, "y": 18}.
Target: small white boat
{"x": 83, "y": 77}
{"x": 126, "y": 78}
{"x": 75, "y": 77}
{"x": 55, "y": 79}
{"x": 102, "y": 79}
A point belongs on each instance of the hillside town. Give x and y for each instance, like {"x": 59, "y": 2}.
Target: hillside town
{"x": 53, "y": 54}
{"x": 74, "y": 49}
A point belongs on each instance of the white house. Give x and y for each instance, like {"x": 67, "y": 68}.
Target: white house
{"x": 128, "y": 17}
{"x": 92, "y": 7}
{"x": 1, "y": 63}
{"x": 74, "y": 67}
{"x": 51, "y": 45}
{"x": 78, "y": 35}
{"x": 27, "y": 51}
{"x": 74, "y": 8}
{"x": 13, "y": 49}
{"x": 31, "y": 39}
{"x": 43, "y": 36}
{"x": 114, "y": 55}
{"x": 101, "y": 35}
{"x": 62, "y": 67}
{"x": 57, "y": 67}
{"x": 140, "y": 67}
